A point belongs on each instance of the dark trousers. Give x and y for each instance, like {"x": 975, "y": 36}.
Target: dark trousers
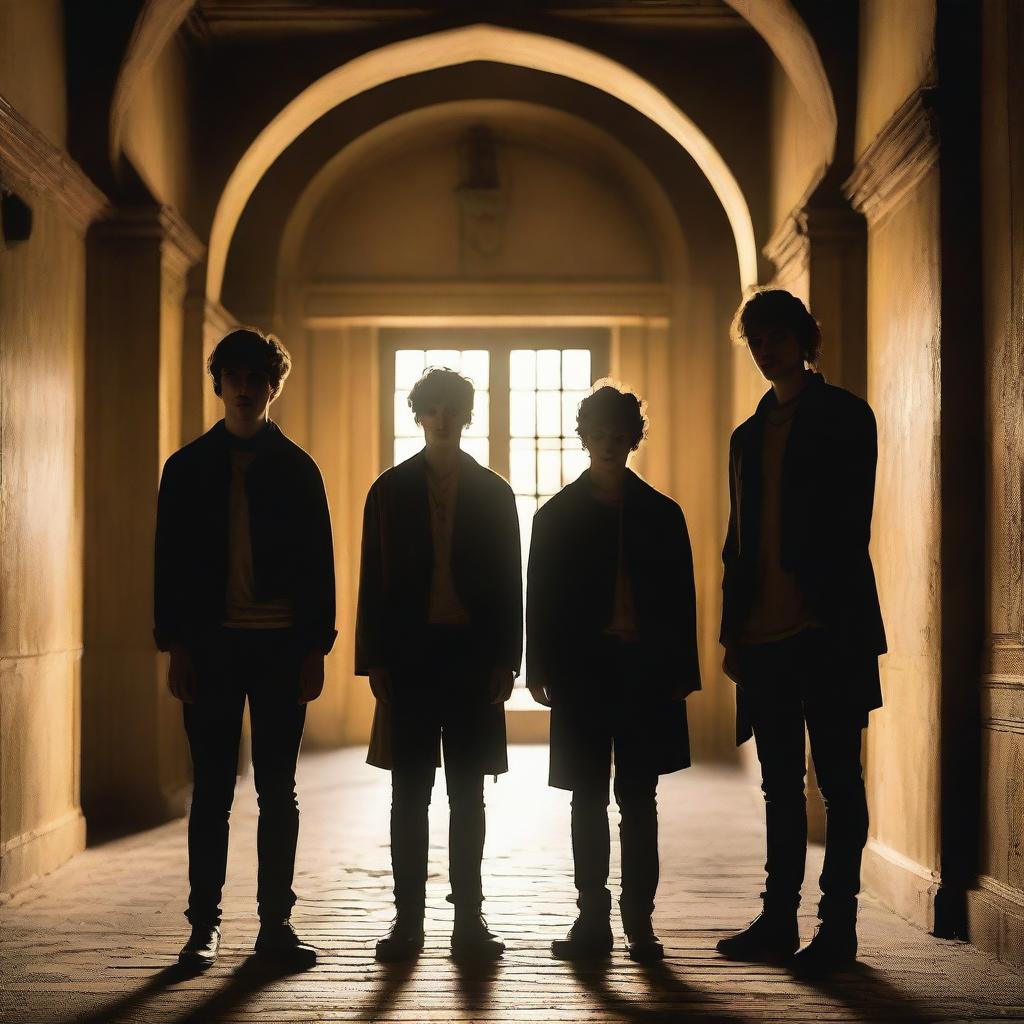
{"x": 261, "y": 666}
{"x": 790, "y": 685}
{"x": 638, "y": 840}
{"x": 442, "y": 704}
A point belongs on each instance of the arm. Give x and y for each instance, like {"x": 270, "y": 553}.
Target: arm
{"x": 689, "y": 668}
{"x": 539, "y": 610}
{"x": 321, "y": 609}
{"x": 369, "y": 637}
{"x": 511, "y": 655}
{"x": 167, "y": 583}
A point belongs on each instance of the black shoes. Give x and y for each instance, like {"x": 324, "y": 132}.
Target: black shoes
{"x": 772, "y": 938}
{"x": 277, "y": 941}
{"x": 404, "y": 940}
{"x": 589, "y": 938}
{"x": 642, "y": 945}
{"x": 202, "y": 947}
{"x": 833, "y": 948}
{"x": 472, "y": 939}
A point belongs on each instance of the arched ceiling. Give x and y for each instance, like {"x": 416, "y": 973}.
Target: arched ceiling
{"x": 775, "y": 20}
{"x": 459, "y": 46}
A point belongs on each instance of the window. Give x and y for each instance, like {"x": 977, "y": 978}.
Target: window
{"x": 529, "y": 384}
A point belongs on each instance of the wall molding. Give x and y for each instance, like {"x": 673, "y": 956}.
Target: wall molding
{"x": 995, "y": 919}
{"x": 37, "y": 852}
{"x": 180, "y": 247}
{"x": 904, "y": 886}
{"x": 789, "y": 248}
{"x": 31, "y": 163}
{"x": 898, "y": 158}
{"x": 326, "y": 304}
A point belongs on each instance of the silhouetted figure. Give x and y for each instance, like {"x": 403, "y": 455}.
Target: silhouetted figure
{"x": 801, "y": 623}
{"x": 612, "y": 650}
{"x": 439, "y": 633}
{"x": 245, "y": 606}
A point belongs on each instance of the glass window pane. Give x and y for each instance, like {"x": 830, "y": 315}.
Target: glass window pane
{"x": 481, "y": 415}
{"x": 576, "y": 368}
{"x": 522, "y": 369}
{"x": 549, "y": 472}
{"x": 479, "y": 448}
{"x": 476, "y": 366}
{"x": 574, "y": 461}
{"x": 450, "y": 357}
{"x": 408, "y": 368}
{"x": 570, "y": 406}
{"x": 405, "y": 422}
{"x": 548, "y": 419}
{"x": 406, "y": 448}
{"x": 549, "y": 369}
{"x": 552, "y": 443}
{"x": 521, "y": 413}
{"x": 522, "y": 470}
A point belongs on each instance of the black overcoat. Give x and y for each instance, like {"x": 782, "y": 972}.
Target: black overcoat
{"x": 290, "y": 527}
{"x": 570, "y": 597}
{"x": 397, "y": 567}
{"x": 827, "y": 494}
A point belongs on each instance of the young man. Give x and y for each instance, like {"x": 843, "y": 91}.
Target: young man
{"x": 245, "y": 607}
{"x": 801, "y": 624}
{"x": 611, "y": 648}
{"x": 439, "y": 633}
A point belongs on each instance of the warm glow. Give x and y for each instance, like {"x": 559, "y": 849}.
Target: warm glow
{"x": 460, "y": 46}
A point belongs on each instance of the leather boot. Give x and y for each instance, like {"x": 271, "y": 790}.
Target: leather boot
{"x": 404, "y": 940}
{"x": 772, "y": 937}
{"x": 471, "y": 938}
{"x": 277, "y": 940}
{"x": 202, "y": 947}
{"x": 642, "y": 945}
{"x": 590, "y": 937}
{"x": 833, "y": 948}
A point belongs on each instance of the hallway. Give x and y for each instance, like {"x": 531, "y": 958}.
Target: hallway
{"x": 95, "y": 941}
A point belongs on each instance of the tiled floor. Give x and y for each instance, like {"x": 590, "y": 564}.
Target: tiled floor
{"x": 96, "y": 940}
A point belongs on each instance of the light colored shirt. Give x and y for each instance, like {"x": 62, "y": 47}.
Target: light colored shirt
{"x": 445, "y": 606}
{"x": 623, "y": 622}
{"x": 779, "y": 609}
{"x": 241, "y": 609}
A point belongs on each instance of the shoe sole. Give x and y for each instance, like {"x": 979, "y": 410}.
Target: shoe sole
{"x": 590, "y": 954}
{"x": 384, "y": 958}
{"x": 195, "y": 963}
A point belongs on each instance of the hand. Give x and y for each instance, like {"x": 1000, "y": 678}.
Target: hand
{"x": 380, "y": 684}
{"x": 502, "y": 682}
{"x": 541, "y": 693}
{"x": 731, "y": 664}
{"x": 311, "y": 677}
{"x": 181, "y": 676}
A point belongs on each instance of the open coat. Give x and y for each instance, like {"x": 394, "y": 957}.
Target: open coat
{"x": 397, "y": 566}
{"x": 292, "y": 551}
{"x": 570, "y": 596}
{"x": 827, "y": 494}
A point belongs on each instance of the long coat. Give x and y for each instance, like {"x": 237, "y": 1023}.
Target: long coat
{"x": 397, "y": 567}
{"x": 290, "y": 526}
{"x": 570, "y": 597}
{"x": 827, "y": 494}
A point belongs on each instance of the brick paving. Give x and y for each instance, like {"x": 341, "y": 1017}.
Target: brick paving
{"x": 96, "y": 941}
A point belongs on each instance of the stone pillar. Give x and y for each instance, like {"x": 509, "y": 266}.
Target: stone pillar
{"x": 134, "y": 760}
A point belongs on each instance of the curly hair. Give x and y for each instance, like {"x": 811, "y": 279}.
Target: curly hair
{"x": 775, "y": 307}
{"x": 441, "y": 384}
{"x": 250, "y": 347}
{"x": 611, "y": 406}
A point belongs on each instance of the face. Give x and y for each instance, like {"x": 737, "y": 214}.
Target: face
{"x": 609, "y": 447}
{"x": 442, "y": 425}
{"x": 775, "y": 351}
{"x": 245, "y": 392}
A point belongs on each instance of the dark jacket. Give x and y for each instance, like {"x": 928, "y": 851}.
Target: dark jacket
{"x": 290, "y": 525}
{"x": 571, "y": 586}
{"x": 398, "y": 557}
{"x": 827, "y": 493}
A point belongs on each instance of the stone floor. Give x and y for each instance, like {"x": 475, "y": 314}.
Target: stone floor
{"x": 96, "y": 941}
